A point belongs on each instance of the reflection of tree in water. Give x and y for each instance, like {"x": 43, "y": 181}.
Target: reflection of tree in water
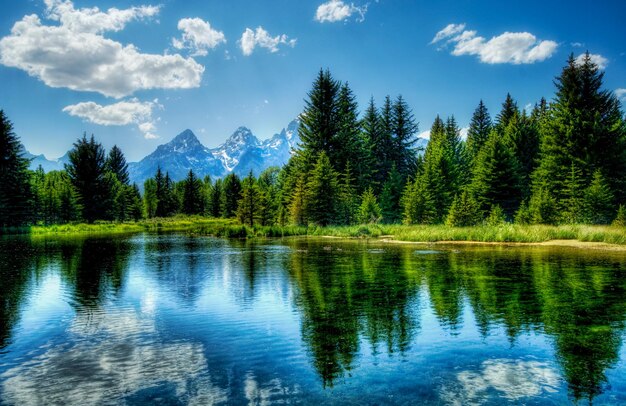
{"x": 575, "y": 297}
{"x": 343, "y": 295}
{"x": 17, "y": 258}
{"x": 94, "y": 267}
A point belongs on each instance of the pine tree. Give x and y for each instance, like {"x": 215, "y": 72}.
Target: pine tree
{"x": 598, "y": 199}
{"x": 323, "y": 196}
{"x": 403, "y": 130}
{"x": 249, "y": 207}
{"x": 150, "y": 201}
{"x": 584, "y": 124}
{"x": 496, "y": 216}
{"x": 418, "y": 204}
{"x": 509, "y": 110}
{"x": 348, "y": 201}
{"x": 193, "y": 198}
{"x": 349, "y": 145}
{"x": 15, "y": 187}
{"x": 319, "y": 123}
{"x": 116, "y": 163}
{"x": 297, "y": 207}
{"x": 230, "y": 195}
{"x": 369, "y": 211}
{"x": 478, "y": 132}
{"x": 269, "y": 195}
{"x": 215, "y": 199}
{"x": 573, "y": 203}
{"x": 464, "y": 212}
{"x": 379, "y": 146}
{"x": 136, "y": 207}
{"x": 87, "y": 173}
{"x": 522, "y": 135}
{"x": 620, "y": 218}
{"x": 496, "y": 178}
{"x": 391, "y": 196}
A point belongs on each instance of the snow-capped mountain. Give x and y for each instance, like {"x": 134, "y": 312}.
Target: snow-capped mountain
{"x": 241, "y": 153}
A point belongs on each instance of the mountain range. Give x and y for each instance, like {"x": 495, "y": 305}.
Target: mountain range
{"x": 241, "y": 153}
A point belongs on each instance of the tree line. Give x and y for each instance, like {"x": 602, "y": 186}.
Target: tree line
{"x": 562, "y": 162}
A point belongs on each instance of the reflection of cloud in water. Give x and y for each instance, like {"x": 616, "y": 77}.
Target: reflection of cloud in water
{"x": 270, "y": 393}
{"x": 511, "y": 379}
{"x": 108, "y": 357}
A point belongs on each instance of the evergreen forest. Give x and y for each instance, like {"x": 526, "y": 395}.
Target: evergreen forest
{"x": 563, "y": 162}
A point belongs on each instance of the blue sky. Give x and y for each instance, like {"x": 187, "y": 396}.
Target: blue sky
{"x": 136, "y": 73}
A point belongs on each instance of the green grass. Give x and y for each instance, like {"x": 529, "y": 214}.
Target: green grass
{"x": 506, "y": 233}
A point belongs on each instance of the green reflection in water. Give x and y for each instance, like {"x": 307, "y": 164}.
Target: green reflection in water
{"x": 350, "y": 295}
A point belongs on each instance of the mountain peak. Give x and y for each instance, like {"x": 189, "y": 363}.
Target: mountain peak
{"x": 185, "y": 141}
{"x": 241, "y": 136}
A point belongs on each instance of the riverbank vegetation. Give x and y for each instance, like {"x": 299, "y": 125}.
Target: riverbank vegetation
{"x": 527, "y": 176}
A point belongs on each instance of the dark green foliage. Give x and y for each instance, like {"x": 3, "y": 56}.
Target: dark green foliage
{"x": 418, "y": 204}
{"x": 348, "y": 199}
{"x": 87, "y": 172}
{"x": 403, "y": 130}
{"x": 230, "y": 195}
{"x": 478, "y": 131}
{"x": 349, "y": 144}
{"x": 598, "y": 200}
{"x": 584, "y": 125}
{"x": 620, "y": 218}
{"x": 464, "y": 211}
{"x": 250, "y": 204}
{"x": 150, "y": 201}
{"x": 166, "y": 200}
{"x": 15, "y": 188}
{"x": 194, "y": 200}
{"x": 379, "y": 145}
{"x": 496, "y": 216}
{"x": 116, "y": 163}
{"x": 56, "y": 200}
{"x": 496, "y": 179}
{"x": 391, "y": 196}
{"x": 573, "y": 203}
{"x": 369, "y": 211}
{"x": 320, "y": 120}
{"x": 509, "y": 110}
{"x": 323, "y": 193}
{"x": 269, "y": 189}
{"x": 297, "y": 206}
{"x": 543, "y": 208}
{"x": 215, "y": 199}
{"x": 522, "y": 135}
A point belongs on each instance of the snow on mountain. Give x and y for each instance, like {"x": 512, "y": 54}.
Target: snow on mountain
{"x": 241, "y": 153}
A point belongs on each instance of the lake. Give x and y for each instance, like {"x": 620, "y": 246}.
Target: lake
{"x": 173, "y": 319}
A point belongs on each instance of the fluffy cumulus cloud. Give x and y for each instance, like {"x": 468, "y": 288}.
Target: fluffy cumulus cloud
{"x": 621, "y": 94}
{"x": 336, "y": 10}
{"x": 260, "y": 38}
{"x": 509, "y": 47}
{"x": 74, "y": 53}
{"x": 598, "y": 59}
{"x": 198, "y": 36}
{"x": 122, "y": 113}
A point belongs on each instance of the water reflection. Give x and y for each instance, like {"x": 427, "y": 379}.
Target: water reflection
{"x": 200, "y": 320}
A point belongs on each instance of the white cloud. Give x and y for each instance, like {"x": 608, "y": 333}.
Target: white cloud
{"x": 509, "y": 47}
{"x": 93, "y": 20}
{"x": 122, "y": 113}
{"x": 598, "y": 59}
{"x": 620, "y": 94}
{"x": 577, "y": 44}
{"x": 75, "y": 55}
{"x": 260, "y": 38}
{"x": 336, "y": 10}
{"x": 424, "y": 134}
{"x": 198, "y": 36}
{"x": 514, "y": 380}
{"x": 463, "y": 133}
{"x": 449, "y": 31}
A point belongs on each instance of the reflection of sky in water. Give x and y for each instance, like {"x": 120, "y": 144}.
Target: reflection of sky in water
{"x": 206, "y": 321}
{"x": 511, "y": 380}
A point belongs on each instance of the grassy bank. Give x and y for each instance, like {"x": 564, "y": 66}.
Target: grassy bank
{"x": 507, "y": 233}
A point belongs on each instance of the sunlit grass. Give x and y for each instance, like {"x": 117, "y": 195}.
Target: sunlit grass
{"x": 505, "y": 233}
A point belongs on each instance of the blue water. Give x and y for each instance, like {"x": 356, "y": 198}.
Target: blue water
{"x": 172, "y": 319}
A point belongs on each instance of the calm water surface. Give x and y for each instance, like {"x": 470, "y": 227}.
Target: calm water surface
{"x": 171, "y": 319}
